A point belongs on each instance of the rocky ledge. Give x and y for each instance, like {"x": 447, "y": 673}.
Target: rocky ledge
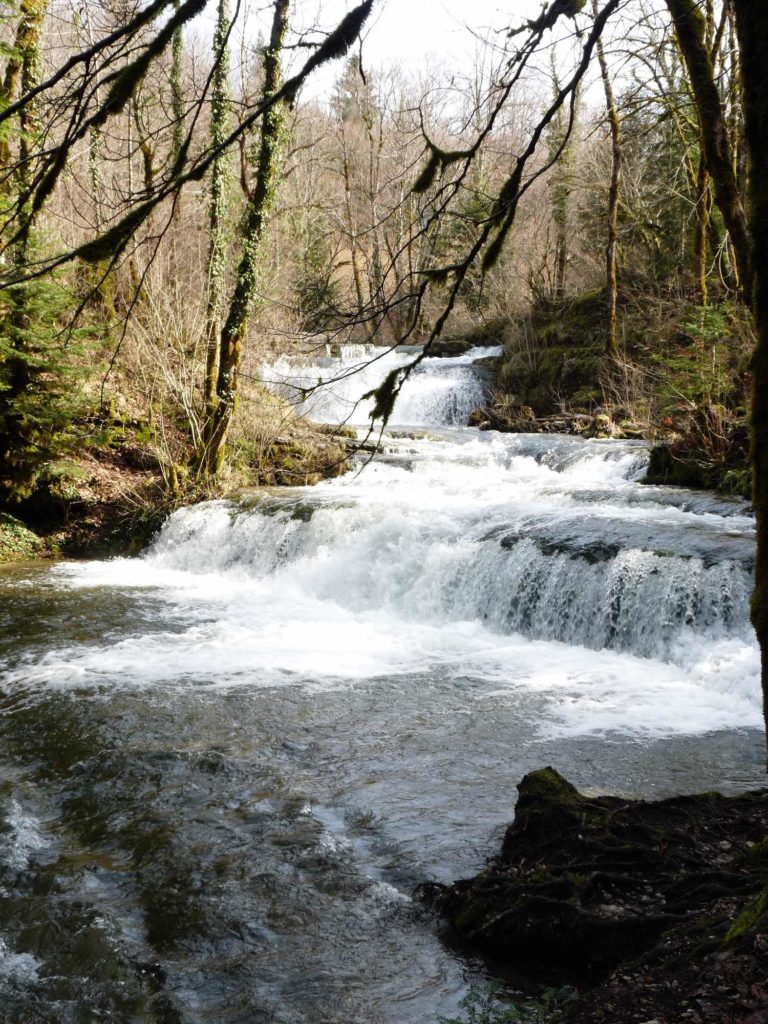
{"x": 521, "y": 419}
{"x": 656, "y": 912}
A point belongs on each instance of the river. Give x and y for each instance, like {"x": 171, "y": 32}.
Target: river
{"x": 226, "y": 764}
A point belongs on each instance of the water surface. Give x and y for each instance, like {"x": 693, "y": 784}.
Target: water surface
{"x": 227, "y": 763}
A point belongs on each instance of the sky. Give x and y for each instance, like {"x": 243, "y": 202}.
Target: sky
{"x": 412, "y": 30}
{"x": 419, "y": 34}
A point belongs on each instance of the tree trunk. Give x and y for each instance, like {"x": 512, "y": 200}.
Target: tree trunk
{"x": 752, "y": 27}
{"x": 701, "y": 235}
{"x": 259, "y": 206}
{"x": 691, "y": 29}
{"x": 611, "y": 254}
{"x": 14, "y": 465}
{"x": 24, "y": 33}
{"x": 220, "y": 126}
{"x": 354, "y": 254}
{"x": 177, "y": 91}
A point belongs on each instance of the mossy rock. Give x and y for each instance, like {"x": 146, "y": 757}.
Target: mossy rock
{"x": 556, "y": 355}
{"x": 753, "y": 920}
{"x": 546, "y": 801}
{"x": 583, "y": 883}
{"x": 447, "y": 347}
{"x": 17, "y": 542}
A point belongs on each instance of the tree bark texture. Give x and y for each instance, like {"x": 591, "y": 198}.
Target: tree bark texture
{"x": 752, "y": 26}
{"x": 217, "y": 210}
{"x": 611, "y": 247}
{"x": 691, "y": 28}
{"x": 246, "y": 283}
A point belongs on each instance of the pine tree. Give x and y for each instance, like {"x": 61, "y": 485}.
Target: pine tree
{"x": 38, "y": 353}
{"x": 41, "y": 383}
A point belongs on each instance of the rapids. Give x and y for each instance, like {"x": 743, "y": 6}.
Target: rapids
{"x": 228, "y": 762}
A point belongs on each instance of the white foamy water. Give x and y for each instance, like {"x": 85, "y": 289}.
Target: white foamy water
{"x": 438, "y": 391}
{"x": 16, "y": 968}
{"x": 538, "y": 563}
{"x": 22, "y": 839}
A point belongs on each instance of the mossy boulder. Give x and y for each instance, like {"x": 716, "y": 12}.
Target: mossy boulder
{"x": 447, "y": 347}
{"x": 584, "y": 884}
{"x": 18, "y": 542}
{"x": 546, "y": 802}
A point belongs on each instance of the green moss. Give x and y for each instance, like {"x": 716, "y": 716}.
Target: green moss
{"x": 757, "y": 857}
{"x": 753, "y": 918}
{"x": 549, "y": 786}
{"x": 17, "y": 542}
{"x": 555, "y": 355}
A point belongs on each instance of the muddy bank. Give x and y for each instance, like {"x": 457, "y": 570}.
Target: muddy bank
{"x": 655, "y": 911}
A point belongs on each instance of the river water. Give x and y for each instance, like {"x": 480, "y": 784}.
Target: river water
{"x": 226, "y": 764}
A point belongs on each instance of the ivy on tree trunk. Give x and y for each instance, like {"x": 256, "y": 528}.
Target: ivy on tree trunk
{"x": 691, "y": 29}
{"x": 246, "y": 284}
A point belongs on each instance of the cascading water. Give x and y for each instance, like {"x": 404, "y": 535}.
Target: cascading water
{"x": 437, "y": 392}
{"x": 233, "y": 757}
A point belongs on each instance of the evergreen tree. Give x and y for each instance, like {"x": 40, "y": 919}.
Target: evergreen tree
{"x": 42, "y": 369}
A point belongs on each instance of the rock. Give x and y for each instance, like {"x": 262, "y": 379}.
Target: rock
{"x": 633, "y": 431}
{"x": 587, "y": 885}
{"x": 18, "y": 542}
{"x": 600, "y": 426}
{"x": 447, "y": 347}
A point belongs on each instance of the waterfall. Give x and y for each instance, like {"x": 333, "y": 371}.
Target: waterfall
{"x": 438, "y": 392}
{"x": 238, "y": 753}
{"x": 536, "y": 560}
{"x": 573, "y": 574}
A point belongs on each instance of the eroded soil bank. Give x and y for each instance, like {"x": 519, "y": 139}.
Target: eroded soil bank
{"x": 655, "y": 911}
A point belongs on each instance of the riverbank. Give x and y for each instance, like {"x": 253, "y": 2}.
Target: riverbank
{"x": 654, "y": 911}
{"x": 680, "y": 380}
{"x": 111, "y": 498}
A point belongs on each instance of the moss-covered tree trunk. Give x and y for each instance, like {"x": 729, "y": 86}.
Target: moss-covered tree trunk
{"x": 701, "y": 234}
{"x": 259, "y": 206}
{"x": 29, "y": 44}
{"x": 611, "y": 246}
{"x": 352, "y": 231}
{"x": 560, "y": 153}
{"x": 25, "y": 31}
{"x": 690, "y": 25}
{"x": 217, "y": 209}
{"x": 752, "y": 26}
{"x": 177, "y": 90}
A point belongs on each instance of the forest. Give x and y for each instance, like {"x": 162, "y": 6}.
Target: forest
{"x": 378, "y": 431}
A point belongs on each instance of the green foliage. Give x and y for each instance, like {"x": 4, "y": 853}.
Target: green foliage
{"x": 42, "y": 370}
{"x": 473, "y": 207}
{"x": 317, "y": 292}
{"x": 17, "y": 542}
{"x": 709, "y": 324}
{"x": 493, "y": 1006}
